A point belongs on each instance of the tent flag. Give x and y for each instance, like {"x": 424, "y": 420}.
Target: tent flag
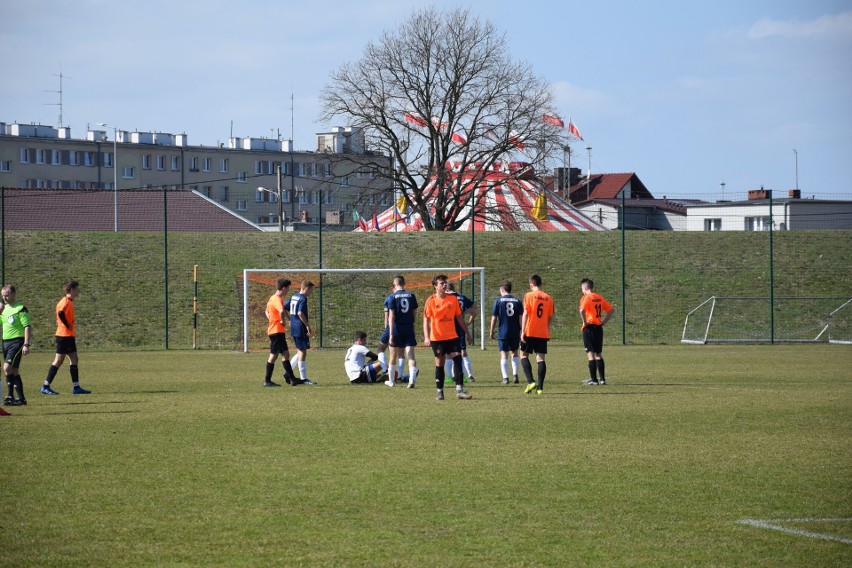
{"x": 490, "y": 134}
{"x": 415, "y": 119}
{"x": 402, "y": 205}
{"x": 362, "y": 224}
{"x": 539, "y": 208}
{"x": 515, "y": 139}
{"x": 553, "y": 120}
{"x": 459, "y": 138}
{"x": 573, "y": 129}
{"x": 375, "y": 222}
{"x": 355, "y": 216}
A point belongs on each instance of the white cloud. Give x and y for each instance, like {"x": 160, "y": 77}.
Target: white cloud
{"x": 836, "y": 26}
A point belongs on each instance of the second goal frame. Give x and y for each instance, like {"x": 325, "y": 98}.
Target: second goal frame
{"x": 478, "y": 270}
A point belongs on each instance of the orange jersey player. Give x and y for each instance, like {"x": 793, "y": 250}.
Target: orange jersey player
{"x": 535, "y": 333}
{"x": 595, "y": 311}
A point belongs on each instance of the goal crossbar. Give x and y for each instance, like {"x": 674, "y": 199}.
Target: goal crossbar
{"x": 439, "y": 270}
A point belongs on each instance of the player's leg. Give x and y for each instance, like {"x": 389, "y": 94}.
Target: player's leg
{"x": 74, "y": 368}
{"x": 542, "y": 366}
{"x": 384, "y": 340}
{"x": 527, "y": 367}
{"x": 515, "y": 364}
{"x": 413, "y": 371}
{"x": 440, "y": 360}
{"x": 58, "y": 359}
{"x": 274, "y": 351}
{"x": 468, "y": 366}
{"x": 504, "y": 366}
{"x": 590, "y": 355}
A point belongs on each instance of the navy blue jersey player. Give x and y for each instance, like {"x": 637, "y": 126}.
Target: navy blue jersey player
{"x": 469, "y": 314}
{"x": 400, "y": 307}
{"x": 506, "y": 315}
{"x": 300, "y": 328}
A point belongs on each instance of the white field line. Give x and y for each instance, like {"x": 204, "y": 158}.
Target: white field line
{"x": 770, "y": 524}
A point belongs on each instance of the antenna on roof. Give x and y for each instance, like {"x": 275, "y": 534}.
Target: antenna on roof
{"x": 59, "y": 104}
{"x": 292, "y": 107}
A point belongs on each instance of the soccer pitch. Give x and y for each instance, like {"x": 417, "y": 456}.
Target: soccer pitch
{"x": 692, "y": 456}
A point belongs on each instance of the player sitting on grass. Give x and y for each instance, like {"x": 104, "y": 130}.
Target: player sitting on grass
{"x": 355, "y": 363}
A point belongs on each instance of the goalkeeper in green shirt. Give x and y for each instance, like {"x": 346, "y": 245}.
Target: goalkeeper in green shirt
{"x": 17, "y": 334}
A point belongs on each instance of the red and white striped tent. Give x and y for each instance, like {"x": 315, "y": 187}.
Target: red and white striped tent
{"x": 509, "y": 203}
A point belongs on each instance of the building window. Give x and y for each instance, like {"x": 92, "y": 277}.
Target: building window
{"x": 128, "y": 172}
{"x": 712, "y": 224}
{"x": 39, "y": 156}
{"x": 206, "y": 190}
{"x": 88, "y": 158}
{"x": 303, "y": 197}
{"x": 330, "y": 198}
{"x": 242, "y": 206}
{"x": 5, "y": 166}
{"x": 223, "y": 193}
{"x": 74, "y": 158}
{"x": 107, "y": 159}
{"x": 258, "y": 196}
{"x": 56, "y": 158}
{"x": 757, "y": 223}
{"x": 206, "y": 164}
{"x": 193, "y": 164}
{"x": 25, "y": 155}
{"x": 175, "y": 163}
{"x": 241, "y": 177}
{"x": 285, "y": 196}
{"x": 161, "y": 163}
{"x": 146, "y": 161}
{"x": 345, "y": 182}
{"x": 223, "y": 165}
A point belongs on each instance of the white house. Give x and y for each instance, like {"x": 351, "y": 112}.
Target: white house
{"x": 787, "y": 214}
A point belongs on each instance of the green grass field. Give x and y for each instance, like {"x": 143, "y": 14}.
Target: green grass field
{"x": 183, "y": 458}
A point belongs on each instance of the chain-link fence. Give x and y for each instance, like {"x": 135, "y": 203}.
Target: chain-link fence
{"x": 138, "y": 289}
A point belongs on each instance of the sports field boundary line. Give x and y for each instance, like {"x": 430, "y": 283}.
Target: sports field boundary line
{"x": 771, "y": 524}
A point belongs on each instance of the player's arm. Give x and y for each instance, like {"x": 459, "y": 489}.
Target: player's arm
{"x": 28, "y": 338}
{"x": 493, "y": 322}
{"x": 62, "y": 317}
{"x": 304, "y": 319}
{"x": 460, "y": 321}
{"x": 427, "y": 329}
{"x": 390, "y": 316}
{"x": 608, "y": 315}
{"x": 371, "y": 356}
{"x": 524, "y": 319}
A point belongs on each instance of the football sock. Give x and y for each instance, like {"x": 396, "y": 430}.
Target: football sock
{"x": 270, "y": 367}
{"x": 515, "y": 366}
{"x": 10, "y": 384}
{"x": 504, "y": 368}
{"x": 600, "y": 365}
{"x": 527, "y": 366}
{"x": 383, "y": 359}
{"x": 412, "y": 372}
{"x": 294, "y": 360}
{"x": 288, "y": 369}
{"x": 448, "y": 368}
{"x": 468, "y": 366}
{"x": 303, "y": 370}
{"x": 400, "y": 368}
{"x": 542, "y": 371}
{"x": 75, "y": 374}
{"x": 51, "y": 374}
{"x": 457, "y": 372}
{"x": 19, "y": 386}
{"x": 593, "y": 370}
{"x": 439, "y": 377}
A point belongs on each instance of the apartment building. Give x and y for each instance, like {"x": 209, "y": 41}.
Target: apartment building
{"x": 242, "y": 175}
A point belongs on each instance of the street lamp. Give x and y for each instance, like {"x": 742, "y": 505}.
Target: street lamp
{"x": 797, "y": 167}
{"x": 280, "y": 206}
{"x": 114, "y": 169}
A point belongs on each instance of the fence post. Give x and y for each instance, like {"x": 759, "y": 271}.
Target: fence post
{"x": 771, "y": 276}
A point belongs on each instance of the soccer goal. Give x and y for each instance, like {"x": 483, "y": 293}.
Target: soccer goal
{"x": 347, "y": 300}
{"x": 729, "y": 319}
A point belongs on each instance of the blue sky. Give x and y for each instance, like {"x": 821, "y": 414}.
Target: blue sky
{"x": 685, "y": 94}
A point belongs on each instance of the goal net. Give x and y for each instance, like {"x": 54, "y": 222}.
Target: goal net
{"x": 348, "y": 300}
{"x": 727, "y": 319}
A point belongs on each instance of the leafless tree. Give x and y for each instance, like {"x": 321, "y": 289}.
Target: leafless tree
{"x": 441, "y": 89}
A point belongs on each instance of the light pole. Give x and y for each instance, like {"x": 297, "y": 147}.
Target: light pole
{"x": 114, "y": 169}
{"x": 566, "y": 166}
{"x": 589, "y": 176}
{"x": 280, "y": 206}
{"x": 797, "y": 167}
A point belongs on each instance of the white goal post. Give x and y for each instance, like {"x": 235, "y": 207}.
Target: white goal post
{"x": 790, "y": 319}
{"x": 375, "y": 307}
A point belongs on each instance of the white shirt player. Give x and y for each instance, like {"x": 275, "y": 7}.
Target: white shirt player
{"x": 356, "y": 359}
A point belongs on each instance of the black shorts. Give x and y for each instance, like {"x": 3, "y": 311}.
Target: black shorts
{"x": 367, "y": 375}
{"x": 593, "y": 338}
{"x": 12, "y": 351}
{"x": 278, "y": 343}
{"x": 534, "y": 345}
{"x": 66, "y": 345}
{"x": 446, "y": 347}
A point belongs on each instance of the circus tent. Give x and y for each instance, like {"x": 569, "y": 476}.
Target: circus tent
{"x": 509, "y": 202}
